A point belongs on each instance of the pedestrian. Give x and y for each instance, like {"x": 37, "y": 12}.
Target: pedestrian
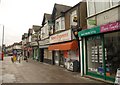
{"x": 18, "y": 58}
{"x": 26, "y": 59}
{"x": 12, "y": 60}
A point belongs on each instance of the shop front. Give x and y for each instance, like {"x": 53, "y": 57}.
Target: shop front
{"x": 100, "y": 51}
{"x": 65, "y": 54}
{"x": 34, "y": 50}
{"x": 45, "y": 54}
{"x": 65, "y": 49}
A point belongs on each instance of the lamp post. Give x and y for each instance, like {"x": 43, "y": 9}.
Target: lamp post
{"x": 2, "y": 43}
{"x": 75, "y": 30}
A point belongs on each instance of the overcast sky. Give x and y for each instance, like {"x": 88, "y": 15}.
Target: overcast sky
{"x": 18, "y": 16}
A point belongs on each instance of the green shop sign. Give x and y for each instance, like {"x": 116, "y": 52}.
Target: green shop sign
{"x": 95, "y": 30}
{"x": 92, "y": 22}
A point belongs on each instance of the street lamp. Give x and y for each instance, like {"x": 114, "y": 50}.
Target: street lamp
{"x": 75, "y": 31}
{"x": 2, "y": 42}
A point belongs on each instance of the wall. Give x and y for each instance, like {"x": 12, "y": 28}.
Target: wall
{"x": 67, "y": 20}
{"x": 67, "y": 17}
{"x": 83, "y": 15}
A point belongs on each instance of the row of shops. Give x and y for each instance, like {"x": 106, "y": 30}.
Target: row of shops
{"x": 60, "y": 49}
{"x": 99, "y": 51}
{"x": 74, "y": 45}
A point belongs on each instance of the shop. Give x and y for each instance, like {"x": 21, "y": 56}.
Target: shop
{"x": 65, "y": 50}
{"x": 34, "y": 50}
{"x": 100, "y": 51}
{"x": 45, "y": 54}
{"x": 35, "y": 53}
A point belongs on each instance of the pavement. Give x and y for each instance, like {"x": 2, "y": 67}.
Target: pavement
{"x": 37, "y": 72}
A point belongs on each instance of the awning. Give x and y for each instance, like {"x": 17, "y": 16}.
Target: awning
{"x": 73, "y": 45}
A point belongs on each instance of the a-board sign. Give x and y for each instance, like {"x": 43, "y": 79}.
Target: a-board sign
{"x": 117, "y": 78}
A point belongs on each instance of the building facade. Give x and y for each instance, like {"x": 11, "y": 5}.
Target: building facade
{"x": 100, "y": 42}
{"x": 63, "y": 42}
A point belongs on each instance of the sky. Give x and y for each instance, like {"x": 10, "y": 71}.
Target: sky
{"x": 18, "y": 16}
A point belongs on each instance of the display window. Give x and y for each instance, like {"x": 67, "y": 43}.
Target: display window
{"x": 95, "y": 55}
{"x": 112, "y": 46}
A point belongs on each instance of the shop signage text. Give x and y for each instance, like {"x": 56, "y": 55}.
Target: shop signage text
{"x": 34, "y": 44}
{"x": 92, "y": 22}
{"x": 91, "y": 31}
{"x": 44, "y": 42}
{"x": 110, "y": 27}
{"x": 64, "y": 36}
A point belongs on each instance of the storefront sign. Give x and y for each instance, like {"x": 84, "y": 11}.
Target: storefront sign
{"x": 91, "y": 31}
{"x": 34, "y": 44}
{"x": 110, "y": 27}
{"x": 63, "y": 36}
{"x": 92, "y": 22}
{"x": 44, "y": 42}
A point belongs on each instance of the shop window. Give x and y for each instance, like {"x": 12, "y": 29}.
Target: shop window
{"x": 60, "y": 24}
{"x": 112, "y": 46}
{"x": 95, "y": 55}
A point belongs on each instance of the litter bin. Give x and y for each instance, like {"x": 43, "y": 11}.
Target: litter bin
{"x": 73, "y": 65}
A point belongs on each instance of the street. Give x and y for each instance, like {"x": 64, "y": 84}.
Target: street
{"x": 37, "y": 72}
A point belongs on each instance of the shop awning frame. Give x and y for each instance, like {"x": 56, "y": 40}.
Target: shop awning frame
{"x": 73, "y": 45}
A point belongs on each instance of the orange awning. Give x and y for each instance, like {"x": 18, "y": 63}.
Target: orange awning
{"x": 73, "y": 45}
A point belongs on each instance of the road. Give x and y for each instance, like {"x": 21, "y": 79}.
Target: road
{"x": 37, "y": 72}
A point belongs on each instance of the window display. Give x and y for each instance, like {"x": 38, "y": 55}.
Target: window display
{"x": 95, "y": 55}
{"x": 112, "y": 47}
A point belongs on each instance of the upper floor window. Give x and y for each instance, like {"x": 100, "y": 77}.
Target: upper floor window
{"x": 72, "y": 17}
{"x": 60, "y": 24}
{"x": 101, "y": 6}
{"x": 95, "y": 6}
{"x": 45, "y": 31}
{"x": 115, "y": 2}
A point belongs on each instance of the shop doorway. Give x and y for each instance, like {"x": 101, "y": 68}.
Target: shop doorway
{"x": 62, "y": 59}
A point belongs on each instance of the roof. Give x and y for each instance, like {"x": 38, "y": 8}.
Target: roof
{"x": 83, "y": 1}
{"x": 36, "y": 28}
{"x": 46, "y": 16}
{"x": 20, "y": 43}
{"x": 59, "y": 8}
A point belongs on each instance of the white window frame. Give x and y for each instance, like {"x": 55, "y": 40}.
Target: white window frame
{"x": 60, "y": 24}
{"x": 94, "y": 11}
{"x": 45, "y": 31}
{"x": 72, "y": 15}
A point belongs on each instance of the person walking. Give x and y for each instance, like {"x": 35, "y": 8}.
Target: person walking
{"x": 18, "y": 58}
